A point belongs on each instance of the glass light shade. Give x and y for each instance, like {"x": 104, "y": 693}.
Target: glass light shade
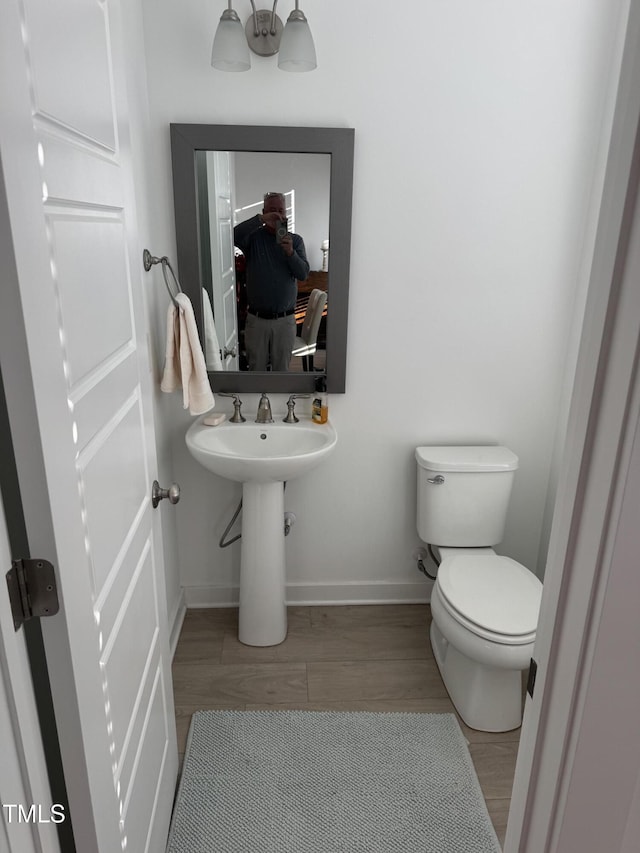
{"x": 297, "y": 51}
{"x": 230, "y": 50}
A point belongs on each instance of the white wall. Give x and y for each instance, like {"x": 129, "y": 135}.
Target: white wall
{"x": 477, "y": 131}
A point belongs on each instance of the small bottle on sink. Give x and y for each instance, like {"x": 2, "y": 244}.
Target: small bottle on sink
{"x": 320, "y": 405}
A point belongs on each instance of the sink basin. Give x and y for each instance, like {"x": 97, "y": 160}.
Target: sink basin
{"x": 261, "y": 453}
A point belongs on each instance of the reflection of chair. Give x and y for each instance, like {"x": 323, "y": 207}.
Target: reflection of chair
{"x": 305, "y": 344}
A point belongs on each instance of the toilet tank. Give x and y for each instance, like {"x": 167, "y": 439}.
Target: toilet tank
{"x": 463, "y": 494}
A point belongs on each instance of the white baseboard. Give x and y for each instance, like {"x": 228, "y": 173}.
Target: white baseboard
{"x": 352, "y": 592}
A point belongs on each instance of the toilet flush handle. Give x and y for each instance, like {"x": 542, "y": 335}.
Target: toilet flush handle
{"x": 437, "y": 481}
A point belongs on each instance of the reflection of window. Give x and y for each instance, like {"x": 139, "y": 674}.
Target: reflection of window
{"x": 249, "y": 210}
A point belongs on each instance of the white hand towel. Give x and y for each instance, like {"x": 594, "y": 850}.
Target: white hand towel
{"x": 211, "y": 344}
{"x": 171, "y": 374}
{"x": 184, "y": 361}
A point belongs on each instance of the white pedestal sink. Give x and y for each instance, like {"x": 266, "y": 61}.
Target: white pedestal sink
{"x": 261, "y": 457}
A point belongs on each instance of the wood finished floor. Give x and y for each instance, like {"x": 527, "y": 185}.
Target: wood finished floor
{"x": 351, "y": 658}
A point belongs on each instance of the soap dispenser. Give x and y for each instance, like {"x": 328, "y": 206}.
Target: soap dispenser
{"x": 320, "y": 405}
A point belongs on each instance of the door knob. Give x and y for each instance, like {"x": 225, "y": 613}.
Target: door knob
{"x": 158, "y": 494}
{"x": 229, "y": 352}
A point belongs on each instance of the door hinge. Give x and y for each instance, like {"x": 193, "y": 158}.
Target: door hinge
{"x": 32, "y": 590}
{"x": 531, "y": 680}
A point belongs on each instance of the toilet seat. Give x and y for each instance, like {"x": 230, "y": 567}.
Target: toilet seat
{"x": 495, "y": 597}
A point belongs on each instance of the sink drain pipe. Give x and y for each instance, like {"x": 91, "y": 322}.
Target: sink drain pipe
{"x": 289, "y": 521}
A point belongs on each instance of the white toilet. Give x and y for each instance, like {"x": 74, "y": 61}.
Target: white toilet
{"x": 484, "y": 606}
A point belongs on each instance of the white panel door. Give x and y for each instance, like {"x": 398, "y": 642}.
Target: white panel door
{"x": 66, "y": 163}
{"x": 223, "y": 270}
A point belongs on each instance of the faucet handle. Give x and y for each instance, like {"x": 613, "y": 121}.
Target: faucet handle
{"x": 238, "y": 417}
{"x": 291, "y": 402}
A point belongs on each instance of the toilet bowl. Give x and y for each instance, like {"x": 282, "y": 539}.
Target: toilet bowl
{"x": 484, "y": 616}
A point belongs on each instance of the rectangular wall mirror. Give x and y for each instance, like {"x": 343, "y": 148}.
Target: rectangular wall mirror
{"x": 221, "y": 174}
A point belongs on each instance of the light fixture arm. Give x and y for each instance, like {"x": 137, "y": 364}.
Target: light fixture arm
{"x": 256, "y": 26}
{"x": 273, "y": 17}
{"x": 256, "y": 31}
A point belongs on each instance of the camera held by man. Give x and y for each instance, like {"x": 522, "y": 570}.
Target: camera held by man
{"x": 282, "y": 229}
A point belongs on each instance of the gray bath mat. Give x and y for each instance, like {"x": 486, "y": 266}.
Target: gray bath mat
{"x": 326, "y": 782}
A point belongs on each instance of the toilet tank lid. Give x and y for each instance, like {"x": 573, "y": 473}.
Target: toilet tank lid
{"x": 466, "y": 458}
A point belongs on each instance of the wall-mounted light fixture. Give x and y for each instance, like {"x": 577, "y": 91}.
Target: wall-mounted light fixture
{"x": 265, "y": 35}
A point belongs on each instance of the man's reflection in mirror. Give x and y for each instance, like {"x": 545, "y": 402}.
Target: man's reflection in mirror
{"x": 276, "y": 260}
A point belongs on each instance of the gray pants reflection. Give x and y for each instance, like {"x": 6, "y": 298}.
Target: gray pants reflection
{"x": 269, "y": 342}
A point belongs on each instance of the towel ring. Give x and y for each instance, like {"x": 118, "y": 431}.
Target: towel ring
{"x": 149, "y": 260}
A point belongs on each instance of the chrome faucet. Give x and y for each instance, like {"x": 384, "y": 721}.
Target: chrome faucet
{"x": 264, "y": 411}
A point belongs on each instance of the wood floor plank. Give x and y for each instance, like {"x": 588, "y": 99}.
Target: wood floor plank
{"x": 202, "y": 635}
{"x": 214, "y": 618}
{"x": 495, "y": 765}
{"x": 203, "y": 646}
{"x": 499, "y": 812}
{"x": 372, "y": 680}
{"x": 197, "y": 684}
{"x": 336, "y": 641}
{"x": 379, "y": 616}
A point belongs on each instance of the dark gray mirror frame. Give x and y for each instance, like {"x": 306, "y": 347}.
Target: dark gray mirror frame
{"x": 186, "y": 140}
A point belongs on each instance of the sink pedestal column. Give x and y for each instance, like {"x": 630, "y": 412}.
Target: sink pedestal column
{"x": 263, "y": 611}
